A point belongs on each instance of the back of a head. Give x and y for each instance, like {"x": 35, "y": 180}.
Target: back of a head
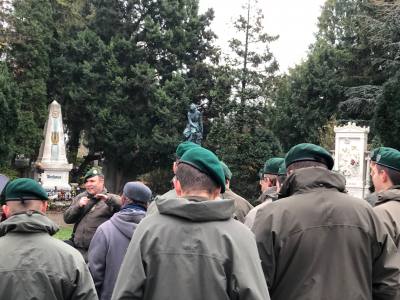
{"x": 308, "y": 155}
{"x": 388, "y": 160}
{"x": 200, "y": 170}
{"x": 271, "y": 168}
{"x": 25, "y": 194}
{"x": 136, "y": 193}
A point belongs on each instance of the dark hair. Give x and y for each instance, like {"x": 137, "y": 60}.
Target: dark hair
{"x": 393, "y": 174}
{"x": 130, "y": 201}
{"x": 192, "y": 179}
{"x": 271, "y": 178}
{"x": 305, "y": 164}
{"x": 16, "y": 206}
{"x": 281, "y": 179}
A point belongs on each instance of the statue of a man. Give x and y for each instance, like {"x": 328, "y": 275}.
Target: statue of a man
{"x": 194, "y": 128}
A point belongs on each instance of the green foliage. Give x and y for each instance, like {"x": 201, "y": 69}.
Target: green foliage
{"x": 239, "y": 136}
{"x": 9, "y": 106}
{"x": 242, "y": 141}
{"x": 30, "y": 38}
{"x": 386, "y": 116}
{"x": 305, "y": 100}
{"x": 158, "y": 181}
{"x": 327, "y": 135}
{"x": 252, "y": 69}
{"x": 128, "y": 77}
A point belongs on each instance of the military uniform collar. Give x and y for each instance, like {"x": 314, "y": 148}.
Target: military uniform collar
{"x": 308, "y": 179}
{"x": 392, "y": 193}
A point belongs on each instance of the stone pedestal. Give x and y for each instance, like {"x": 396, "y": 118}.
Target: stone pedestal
{"x": 350, "y": 158}
{"x": 52, "y": 155}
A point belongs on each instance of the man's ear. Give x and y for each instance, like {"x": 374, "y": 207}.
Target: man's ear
{"x": 6, "y": 211}
{"x": 217, "y": 192}
{"x": 178, "y": 187}
{"x": 44, "y": 207}
{"x": 290, "y": 172}
{"x": 122, "y": 200}
{"x": 385, "y": 176}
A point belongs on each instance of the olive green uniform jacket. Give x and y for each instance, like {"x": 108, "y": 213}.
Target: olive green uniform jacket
{"x": 268, "y": 193}
{"x": 34, "y": 265}
{"x": 242, "y": 205}
{"x": 169, "y": 195}
{"x": 191, "y": 250}
{"x": 388, "y": 209}
{"x": 267, "y": 199}
{"x": 372, "y": 199}
{"x": 317, "y": 242}
{"x": 101, "y": 212}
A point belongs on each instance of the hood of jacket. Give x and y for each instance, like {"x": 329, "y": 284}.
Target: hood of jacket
{"x": 127, "y": 222}
{"x": 307, "y": 179}
{"x": 200, "y": 209}
{"x": 392, "y": 193}
{"x": 28, "y": 222}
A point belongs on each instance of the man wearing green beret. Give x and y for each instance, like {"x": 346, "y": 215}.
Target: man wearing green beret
{"x": 269, "y": 182}
{"x": 33, "y": 264}
{"x": 182, "y": 148}
{"x": 372, "y": 197}
{"x": 249, "y": 220}
{"x": 242, "y": 205}
{"x": 192, "y": 248}
{"x": 91, "y": 209}
{"x": 386, "y": 178}
{"x": 318, "y": 242}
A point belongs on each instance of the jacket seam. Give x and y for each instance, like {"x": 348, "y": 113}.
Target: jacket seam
{"x": 182, "y": 253}
{"x": 330, "y": 225}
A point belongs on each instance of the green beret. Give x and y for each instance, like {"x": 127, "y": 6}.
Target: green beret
{"x": 272, "y": 165}
{"x": 374, "y": 153}
{"x": 25, "y": 189}
{"x": 182, "y": 148}
{"x": 227, "y": 172}
{"x": 282, "y": 169}
{"x": 91, "y": 173}
{"x": 389, "y": 158}
{"x": 206, "y": 162}
{"x": 309, "y": 152}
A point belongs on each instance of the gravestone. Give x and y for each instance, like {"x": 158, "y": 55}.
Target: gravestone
{"x": 351, "y": 158}
{"x": 52, "y": 157}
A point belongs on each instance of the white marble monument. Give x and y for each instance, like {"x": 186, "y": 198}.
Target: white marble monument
{"x": 52, "y": 154}
{"x": 351, "y": 158}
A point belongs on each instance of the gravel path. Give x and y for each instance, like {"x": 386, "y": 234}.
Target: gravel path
{"x": 57, "y": 217}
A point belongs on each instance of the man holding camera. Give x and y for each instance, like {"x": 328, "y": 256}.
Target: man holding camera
{"x": 91, "y": 209}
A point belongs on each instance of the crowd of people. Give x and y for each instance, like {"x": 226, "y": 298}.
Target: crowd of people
{"x": 307, "y": 238}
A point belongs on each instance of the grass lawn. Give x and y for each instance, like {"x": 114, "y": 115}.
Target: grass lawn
{"x": 64, "y": 233}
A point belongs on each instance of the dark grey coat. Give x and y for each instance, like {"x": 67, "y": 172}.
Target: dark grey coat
{"x": 108, "y": 249}
{"x": 34, "y": 265}
{"x": 191, "y": 250}
{"x": 320, "y": 243}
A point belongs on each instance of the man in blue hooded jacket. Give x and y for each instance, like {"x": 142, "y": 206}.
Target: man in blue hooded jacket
{"x": 112, "y": 238}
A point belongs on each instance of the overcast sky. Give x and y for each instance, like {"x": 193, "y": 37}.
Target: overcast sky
{"x": 294, "y": 20}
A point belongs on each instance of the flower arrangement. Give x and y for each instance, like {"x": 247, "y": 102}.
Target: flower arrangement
{"x": 39, "y": 169}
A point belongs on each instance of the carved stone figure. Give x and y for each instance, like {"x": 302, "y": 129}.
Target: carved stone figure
{"x": 194, "y": 128}
{"x": 349, "y": 161}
